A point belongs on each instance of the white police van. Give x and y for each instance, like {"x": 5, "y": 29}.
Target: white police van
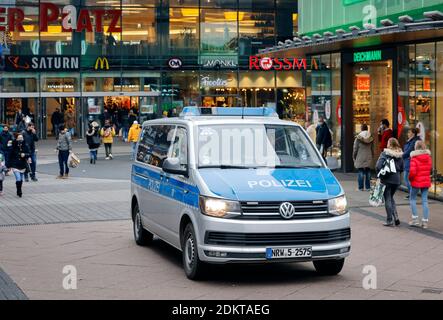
{"x": 227, "y": 185}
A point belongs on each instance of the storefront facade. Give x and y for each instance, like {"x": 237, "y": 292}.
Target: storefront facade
{"x": 100, "y": 59}
{"x": 384, "y": 61}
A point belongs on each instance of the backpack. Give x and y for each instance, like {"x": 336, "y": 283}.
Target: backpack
{"x": 387, "y": 168}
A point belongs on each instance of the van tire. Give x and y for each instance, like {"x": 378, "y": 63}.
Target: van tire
{"x": 142, "y": 237}
{"x": 195, "y": 269}
{"x": 329, "y": 267}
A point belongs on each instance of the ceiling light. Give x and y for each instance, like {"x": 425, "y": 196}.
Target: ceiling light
{"x": 190, "y": 12}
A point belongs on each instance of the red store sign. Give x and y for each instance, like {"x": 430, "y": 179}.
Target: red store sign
{"x": 268, "y": 63}
{"x": 72, "y": 19}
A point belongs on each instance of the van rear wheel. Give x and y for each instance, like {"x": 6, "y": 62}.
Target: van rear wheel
{"x": 141, "y": 236}
{"x": 193, "y": 266}
{"x": 329, "y": 267}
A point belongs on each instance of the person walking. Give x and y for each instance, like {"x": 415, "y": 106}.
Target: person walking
{"x": 18, "y": 161}
{"x": 64, "y": 148}
{"x": 420, "y": 180}
{"x": 391, "y": 156}
{"x": 3, "y": 171}
{"x": 134, "y": 134}
{"x": 324, "y": 137}
{"x": 384, "y": 134}
{"x": 30, "y": 137}
{"x": 363, "y": 153}
{"x": 69, "y": 118}
{"x": 108, "y": 133}
{"x": 6, "y": 139}
{"x": 407, "y": 149}
{"x": 56, "y": 121}
{"x": 93, "y": 141}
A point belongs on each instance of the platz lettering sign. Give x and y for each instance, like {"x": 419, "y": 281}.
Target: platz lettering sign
{"x": 72, "y": 20}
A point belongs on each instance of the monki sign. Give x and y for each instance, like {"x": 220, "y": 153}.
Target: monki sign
{"x": 71, "y": 18}
{"x": 268, "y": 63}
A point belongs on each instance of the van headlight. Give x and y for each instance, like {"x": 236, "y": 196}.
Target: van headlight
{"x": 219, "y": 208}
{"x": 338, "y": 206}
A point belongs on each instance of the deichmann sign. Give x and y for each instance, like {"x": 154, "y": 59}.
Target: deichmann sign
{"x": 42, "y": 63}
{"x": 71, "y": 20}
{"x": 268, "y": 63}
{"x": 365, "y": 56}
{"x": 102, "y": 63}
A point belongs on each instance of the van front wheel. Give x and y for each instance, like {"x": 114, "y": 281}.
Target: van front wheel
{"x": 193, "y": 266}
{"x": 329, "y": 267}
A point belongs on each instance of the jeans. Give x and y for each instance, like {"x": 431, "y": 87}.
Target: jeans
{"x": 424, "y": 200}
{"x": 33, "y": 165}
{"x": 18, "y": 175}
{"x": 93, "y": 154}
{"x": 406, "y": 179}
{"x": 71, "y": 131}
{"x": 391, "y": 209}
{"x": 108, "y": 149}
{"x": 364, "y": 175}
{"x": 125, "y": 133}
{"x": 63, "y": 156}
{"x": 133, "y": 150}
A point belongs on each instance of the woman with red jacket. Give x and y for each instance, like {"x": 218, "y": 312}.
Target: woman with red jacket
{"x": 420, "y": 179}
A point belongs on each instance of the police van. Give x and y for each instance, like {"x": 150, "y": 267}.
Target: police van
{"x": 237, "y": 185}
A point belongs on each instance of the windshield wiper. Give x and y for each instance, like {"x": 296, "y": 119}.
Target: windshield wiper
{"x": 226, "y": 166}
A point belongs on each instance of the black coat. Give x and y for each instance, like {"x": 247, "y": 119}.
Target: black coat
{"x": 4, "y": 138}
{"x": 391, "y": 178}
{"x": 30, "y": 139}
{"x": 323, "y": 136}
{"x": 93, "y": 138}
{"x": 16, "y": 160}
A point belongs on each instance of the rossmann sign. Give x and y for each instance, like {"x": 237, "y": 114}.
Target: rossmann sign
{"x": 70, "y": 19}
{"x": 269, "y": 63}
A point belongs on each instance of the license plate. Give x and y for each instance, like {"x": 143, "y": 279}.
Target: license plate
{"x": 294, "y": 252}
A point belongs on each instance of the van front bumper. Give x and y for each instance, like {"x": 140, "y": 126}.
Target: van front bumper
{"x": 230, "y": 241}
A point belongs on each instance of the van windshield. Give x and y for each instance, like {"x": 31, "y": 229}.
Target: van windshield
{"x": 255, "y": 146}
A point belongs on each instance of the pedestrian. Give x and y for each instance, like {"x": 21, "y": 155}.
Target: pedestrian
{"x": 64, "y": 148}
{"x": 30, "y": 137}
{"x": 125, "y": 124}
{"x": 384, "y": 134}
{"x": 18, "y": 117}
{"x": 56, "y": 121}
{"x": 392, "y": 155}
{"x": 413, "y": 137}
{"x": 18, "y": 161}
{"x": 363, "y": 153}
{"x": 108, "y": 133}
{"x": 22, "y": 125}
{"x": 134, "y": 134}
{"x": 3, "y": 171}
{"x": 93, "y": 141}
{"x": 324, "y": 137}
{"x": 6, "y": 139}
{"x": 420, "y": 180}
{"x": 311, "y": 130}
{"x": 69, "y": 118}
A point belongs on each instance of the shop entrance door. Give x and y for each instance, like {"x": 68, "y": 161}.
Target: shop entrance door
{"x": 68, "y": 113}
{"x": 372, "y": 97}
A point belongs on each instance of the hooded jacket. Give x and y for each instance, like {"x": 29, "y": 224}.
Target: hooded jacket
{"x": 17, "y": 161}
{"x": 93, "y": 136}
{"x": 134, "y": 133}
{"x": 420, "y": 169}
{"x": 387, "y": 154}
{"x": 408, "y": 148}
{"x": 363, "y": 150}
{"x": 108, "y": 133}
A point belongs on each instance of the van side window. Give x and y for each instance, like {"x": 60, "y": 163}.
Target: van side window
{"x": 146, "y": 143}
{"x": 162, "y": 143}
{"x": 180, "y": 147}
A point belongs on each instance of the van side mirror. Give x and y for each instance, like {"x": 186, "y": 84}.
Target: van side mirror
{"x": 172, "y": 165}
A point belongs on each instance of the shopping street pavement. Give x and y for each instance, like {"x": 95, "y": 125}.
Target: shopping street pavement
{"x": 84, "y": 222}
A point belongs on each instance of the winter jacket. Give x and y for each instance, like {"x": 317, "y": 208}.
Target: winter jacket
{"x": 387, "y": 154}
{"x": 5, "y": 137}
{"x": 108, "y": 133}
{"x": 323, "y": 136}
{"x": 70, "y": 120}
{"x": 383, "y": 138}
{"x": 16, "y": 160}
{"x": 420, "y": 169}
{"x": 407, "y": 149}
{"x": 93, "y": 138}
{"x": 363, "y": 150}
{"x": 64, "y": 142}
{"x": 30, "y": 139}
{"x": 134, "y": 133}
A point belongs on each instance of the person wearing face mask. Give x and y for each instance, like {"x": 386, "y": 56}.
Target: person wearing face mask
{"x": 18, "y": 161}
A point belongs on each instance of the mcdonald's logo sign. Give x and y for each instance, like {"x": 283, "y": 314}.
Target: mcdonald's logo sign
{"x": 101, "y": 63}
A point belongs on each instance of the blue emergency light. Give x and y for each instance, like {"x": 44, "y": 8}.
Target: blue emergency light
{"x": 233, "y": 111}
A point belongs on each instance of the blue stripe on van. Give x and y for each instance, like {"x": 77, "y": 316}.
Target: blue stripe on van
{"x": 174, "y": 189}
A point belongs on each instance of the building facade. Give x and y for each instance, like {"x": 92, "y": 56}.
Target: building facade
{"x": 98, "y": 59}
{"x": 384, "y": 60}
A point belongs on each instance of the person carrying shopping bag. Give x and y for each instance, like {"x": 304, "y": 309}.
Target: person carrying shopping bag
{"x": 420, "y": 180}
{"x": 389, "y": 167}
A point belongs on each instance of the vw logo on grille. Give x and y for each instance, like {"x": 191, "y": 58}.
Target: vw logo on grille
{"x": 287, "y": 210}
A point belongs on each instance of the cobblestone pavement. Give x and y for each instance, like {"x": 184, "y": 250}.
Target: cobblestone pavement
{"x": 37, "y": 242}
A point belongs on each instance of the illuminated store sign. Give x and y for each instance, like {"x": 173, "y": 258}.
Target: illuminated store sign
{"x": 69, "y": 18}
{"x": 268, "y": 63}
{"x": 101, "y": 63}
{"x": 208, "y": 82}
{"x": 42, "y": 63}
{"x": 368, "y": 56}
{"x": 211, "y": 61}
